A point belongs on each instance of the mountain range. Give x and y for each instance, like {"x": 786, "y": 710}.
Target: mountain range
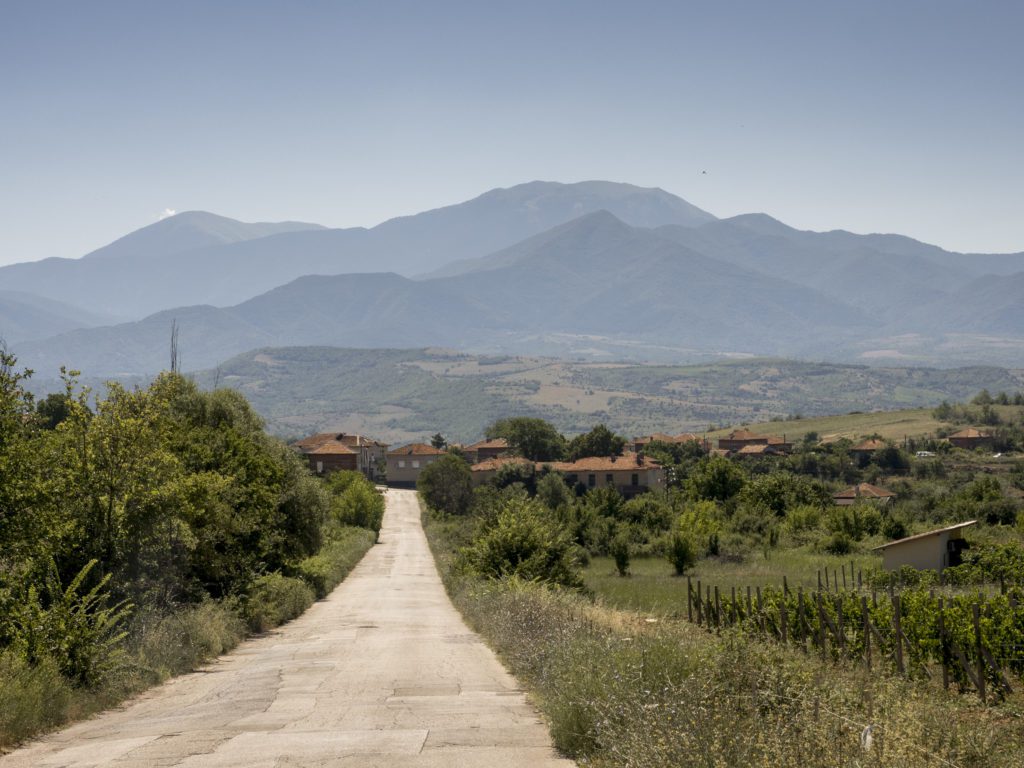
{"x": 593, "y": 270}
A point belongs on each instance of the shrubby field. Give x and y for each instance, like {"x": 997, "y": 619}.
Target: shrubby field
{"x": 583, "y": 594}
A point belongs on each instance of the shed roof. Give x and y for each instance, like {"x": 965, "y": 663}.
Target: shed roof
{"x": 926, "y": 534}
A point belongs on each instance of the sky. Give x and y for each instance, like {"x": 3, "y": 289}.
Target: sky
{"x": 903, "y": 116}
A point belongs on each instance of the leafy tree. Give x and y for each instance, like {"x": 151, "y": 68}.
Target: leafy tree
{"x": 529, "y": 437}
{"x": 53, "y": 409}
{"x": 779, "y": 491}
{"x": 438, "y": 441}
{"x": 447, "y": 485}
{"x": 553, "y": 492}
{"x": 599, "y": 441}
{"x": 715, "y": 478}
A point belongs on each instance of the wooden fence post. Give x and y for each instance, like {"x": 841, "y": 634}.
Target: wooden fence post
{"x": 943, "y": 647}
{"x": 821, "y": 625}
{"x": 760, "y": 611}
{"x": 976, "y": 611}
{"x": 783, "y": 620}
{"x": 689, "y": 599}
{"x": 867, "y": 629}
{"x": 718, "y": 610}
{"x": 840, "y": 610}
{"x": 898, "y": 632}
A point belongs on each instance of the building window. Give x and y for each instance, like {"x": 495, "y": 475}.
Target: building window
{"x": 591, "y": 480}
{"x": 608, "y": 480}
{"x": 320, "y": 467}
{"x": 401, "y": 464}
{"x": 636, "y": 480}
{"x": 415, "y": 464}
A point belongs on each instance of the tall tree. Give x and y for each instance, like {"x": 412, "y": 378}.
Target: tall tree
{"x": 600, "y": 441}
{"x": 529, "y": 437}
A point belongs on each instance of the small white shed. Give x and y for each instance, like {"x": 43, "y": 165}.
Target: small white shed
{"x": 930, "y": 551}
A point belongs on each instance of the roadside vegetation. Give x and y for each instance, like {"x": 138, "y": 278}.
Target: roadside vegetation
{"x": 144, "y": 532}
{"x": 584, "y": 595}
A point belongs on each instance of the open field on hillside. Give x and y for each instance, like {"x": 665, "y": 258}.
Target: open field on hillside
{"x": 403, "y": 395}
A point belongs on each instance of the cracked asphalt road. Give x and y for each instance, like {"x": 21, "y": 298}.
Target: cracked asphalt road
{"x": 382, "y": 673}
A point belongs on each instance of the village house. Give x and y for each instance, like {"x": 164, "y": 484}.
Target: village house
{"x": 485, "y": 470}
{"x": 863, "y": 492}
{"x": 759, "y": 449}
{"x": 640, "y": 443}
{"x": 406, "y": 463}
{"x": 930, "y": 551}
{"x": 867, "y": 448}
{"x": 740, "y": 438}
{"x": 971, "y": 438}
{"x": 334, "y": 451}
{"x": 629, "y": 474}
{"x": 486, "y": 449}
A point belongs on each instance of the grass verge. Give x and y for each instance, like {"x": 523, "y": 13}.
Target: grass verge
{"x": 619, "y": 690}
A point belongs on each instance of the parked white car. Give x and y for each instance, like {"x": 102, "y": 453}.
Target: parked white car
{"x": 924, "y": 454}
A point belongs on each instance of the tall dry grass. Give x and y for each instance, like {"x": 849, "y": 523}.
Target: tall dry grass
{"x": 619, "y": 691}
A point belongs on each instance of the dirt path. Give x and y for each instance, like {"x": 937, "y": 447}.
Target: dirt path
{"x": 382, "y": 673}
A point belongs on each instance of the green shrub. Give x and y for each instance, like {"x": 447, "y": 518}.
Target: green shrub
{"x": 275, "y": 599}
{"x": 359, "y": 504}
{"x": 79, "y": 632}
{"x": 447, "y": 485}
{"x": 839, "y": 544}
{"x": 681, "y": 552}
{"x": 325, "y": 570}
{"x": 620, "y": 551}
{"x": 525, "y": 543}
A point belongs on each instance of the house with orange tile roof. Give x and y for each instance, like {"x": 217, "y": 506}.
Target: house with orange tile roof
{"x": 970, "y": 438}
{"x": 863, "y": 492}
{"x": 333, "y": 451}
{"x": 486, "y": 449}
{"x": 629, "y": 474}
{"x": 406, "y": 462}
{"x": 868, "y": 447}
{"x": 487, "y": 469}
{"x": 640, "y": 443}
{"x": 740, "y": 438}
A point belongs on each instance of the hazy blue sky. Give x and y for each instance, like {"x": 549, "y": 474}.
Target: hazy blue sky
{"x": 871, "y": 116}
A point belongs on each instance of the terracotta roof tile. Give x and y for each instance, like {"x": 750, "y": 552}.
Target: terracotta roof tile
{"x": 498, "y": 442}
{"x": 604, "y": 464}
{"x": 971, "y": 432}
{"x": 490, "y": 465}
{"x": 416, "y": 449}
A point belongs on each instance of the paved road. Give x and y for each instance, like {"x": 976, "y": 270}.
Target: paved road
{"x": 381, "y": 673}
